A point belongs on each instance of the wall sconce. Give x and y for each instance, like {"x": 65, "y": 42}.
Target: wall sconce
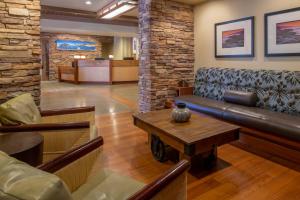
{"x": 111, "y": 57}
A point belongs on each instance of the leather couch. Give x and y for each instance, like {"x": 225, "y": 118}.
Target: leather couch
{"x": 278, "y": 123}
{"x": 270, "y": 127}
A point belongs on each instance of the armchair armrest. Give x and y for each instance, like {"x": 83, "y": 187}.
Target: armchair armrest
{"x": 74, "y": 167}
{"x": 162, "y": 183}
{"x": 71, "y": 156}
{"x": 44, "y": 127}
{"x": 68, "y": 111}
{"x": 78, "y": 114}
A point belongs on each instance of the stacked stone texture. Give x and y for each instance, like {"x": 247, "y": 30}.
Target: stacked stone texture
{"x": 19, "y": 48}
{"x": 167, "y": 50}
{"x": 65, "y": 58}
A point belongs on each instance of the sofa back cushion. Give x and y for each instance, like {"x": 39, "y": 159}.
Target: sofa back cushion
{"x": 276, "y": 90}
{"x": 240, "y": 97}
{"x": 19, "y": 110}
{"x": 19, "y": 181}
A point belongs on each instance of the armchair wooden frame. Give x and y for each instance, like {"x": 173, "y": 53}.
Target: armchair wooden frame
{"x": 164, "y": 186}
{"x": 52, "y": 126}
{"x": 62, "y": 129}
{"x": 71, "y": 156}
{"x": 171, "y": 185}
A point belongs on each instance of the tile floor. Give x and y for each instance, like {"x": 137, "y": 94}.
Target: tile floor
{"x": 106, "y": 98}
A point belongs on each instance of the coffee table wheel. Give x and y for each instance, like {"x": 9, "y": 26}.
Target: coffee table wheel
{"x": 159, "y": 149}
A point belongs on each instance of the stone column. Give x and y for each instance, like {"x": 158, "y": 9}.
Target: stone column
{"x": 19, "y": 48}
{"x": 167, "y": 50}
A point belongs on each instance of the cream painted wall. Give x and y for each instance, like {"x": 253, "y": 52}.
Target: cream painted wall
{"x": 214, "y": 11}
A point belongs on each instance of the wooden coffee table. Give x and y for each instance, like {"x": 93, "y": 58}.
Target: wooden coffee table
{"x": 196, "y": 140}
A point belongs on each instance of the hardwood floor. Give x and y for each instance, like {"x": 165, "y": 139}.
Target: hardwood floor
{"x": 249, "y": 176}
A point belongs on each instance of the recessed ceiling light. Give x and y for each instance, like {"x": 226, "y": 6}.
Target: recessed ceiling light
{"x": 88, "y": 2}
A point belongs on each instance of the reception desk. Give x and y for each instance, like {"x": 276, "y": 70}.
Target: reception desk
{"x": 100, "y": 71}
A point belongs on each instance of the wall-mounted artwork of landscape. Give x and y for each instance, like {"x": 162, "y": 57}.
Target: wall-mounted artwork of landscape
{"x": 75, "y": 45}
{"x": 233, "y": 38}
{"x": 288, "y": 32}
{"x": 282, "y": 33}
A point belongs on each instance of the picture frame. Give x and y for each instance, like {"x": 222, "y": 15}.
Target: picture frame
{"x": 235, "y": 38}
{"x": 75, "y": 45}
{"x": 282, "y": 33}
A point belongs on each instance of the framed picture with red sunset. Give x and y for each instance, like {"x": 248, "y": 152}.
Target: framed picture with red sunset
{"x": 235, "y": 38}
{"x": 282, "y": 33}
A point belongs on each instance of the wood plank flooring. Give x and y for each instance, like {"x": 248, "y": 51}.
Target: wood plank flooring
{"x": 126, "y": 151}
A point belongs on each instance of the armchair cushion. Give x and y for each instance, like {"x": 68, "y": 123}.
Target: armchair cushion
{"x": 19, "y": 181}
{"x": 19, "y": 110}
{"x": 107, "y": 185}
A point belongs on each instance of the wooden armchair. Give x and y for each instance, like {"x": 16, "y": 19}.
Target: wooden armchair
{"x": 74, "y": 169}
{"x": 62, "y": 129}
{"x": 22, "y": 181}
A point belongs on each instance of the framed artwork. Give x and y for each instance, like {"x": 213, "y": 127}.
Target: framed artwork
{"x": 235, "y": 38}
{"x": 282, "y": 33}
{"x": 75, "y": 45}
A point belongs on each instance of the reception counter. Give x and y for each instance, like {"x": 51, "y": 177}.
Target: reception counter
{"x": 100, "y": 71}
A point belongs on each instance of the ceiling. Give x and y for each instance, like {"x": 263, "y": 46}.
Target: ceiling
{"x": 58, "y": 21}
{"x": 61, "y": 26}
{"x": 192, "y": 2}
{"x": 97, "y": 4}
{"x": 76, "y": 4}
{"x": 80, "y": 5}
{"x": 75, "y": 16}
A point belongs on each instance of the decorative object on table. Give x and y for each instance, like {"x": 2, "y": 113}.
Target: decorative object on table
{"x": 235, "y": 38}
{"x": 183, "y": 83}
{"x": 75, "y": 45}
{"x": 282, "y": 33}
{"x": 181, "y": 113}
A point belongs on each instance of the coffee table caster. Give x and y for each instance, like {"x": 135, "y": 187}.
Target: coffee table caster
{"x": 163, "y": 152}
{"x": 159, "y": 149}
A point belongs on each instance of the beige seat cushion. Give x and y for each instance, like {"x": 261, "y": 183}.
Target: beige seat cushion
{"x": 107, "y": 185}
{"x": 20, "y": 110}
{"x": 19, "y": 181}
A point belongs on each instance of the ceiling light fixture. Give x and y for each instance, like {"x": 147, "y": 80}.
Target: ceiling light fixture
{"x": 116, "y": 8}
{"x": 88, "y": 2}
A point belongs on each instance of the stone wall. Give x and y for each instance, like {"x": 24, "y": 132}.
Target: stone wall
{"x": 65, "y": 58}
{"x": 19, "y": 48}
{"x": 167, "y": 50}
